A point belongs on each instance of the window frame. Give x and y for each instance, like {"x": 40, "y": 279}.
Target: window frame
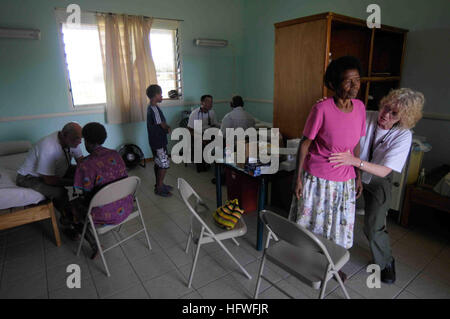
{"x": 88, "y": 18}
{"x": 168, "y": 24}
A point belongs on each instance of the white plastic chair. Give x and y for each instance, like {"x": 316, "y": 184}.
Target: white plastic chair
{"x": 109, "y": 194}
{"x": 312, "y": 259}
{"x": 204, "y": 230}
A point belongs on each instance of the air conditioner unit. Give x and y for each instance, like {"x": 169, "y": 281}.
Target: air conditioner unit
{"x": 31, "y": 34}
{"x": 210, "y": 43}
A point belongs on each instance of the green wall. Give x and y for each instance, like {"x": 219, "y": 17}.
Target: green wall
{"x": 32, "y": 80}
{"x": 32, "y": 75}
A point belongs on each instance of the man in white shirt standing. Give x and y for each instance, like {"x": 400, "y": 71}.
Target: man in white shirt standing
{"x": 47, "y": 165}
{"x": 205, "y": 114}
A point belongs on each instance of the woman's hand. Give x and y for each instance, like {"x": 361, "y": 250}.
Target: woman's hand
{"x": 299, "y": 189}
{"x": 345, "y": 158}
{"x": 359, "y": 187}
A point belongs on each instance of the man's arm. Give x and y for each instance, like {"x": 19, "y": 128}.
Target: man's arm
{"x": 56, "y": 180}
{"x": 165, "y": 126}
{"x": 226, "y": 123}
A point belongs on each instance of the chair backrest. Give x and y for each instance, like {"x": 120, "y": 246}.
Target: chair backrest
{"x": 186, "y": 191}
{"x": 293, "y": 233}
{"x": 115, "y": 191}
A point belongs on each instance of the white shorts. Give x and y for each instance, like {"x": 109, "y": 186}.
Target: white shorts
{"x": 162, "y": 159}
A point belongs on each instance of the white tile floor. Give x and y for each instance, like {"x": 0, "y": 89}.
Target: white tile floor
{"x": 31, "y": 266}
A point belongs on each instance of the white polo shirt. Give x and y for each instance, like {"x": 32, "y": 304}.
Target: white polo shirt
{"x": 47, "y": 157}
{"x": 392, "y": 152}
{"x": 208, "y": 118}
{"x": 238, "y": 117}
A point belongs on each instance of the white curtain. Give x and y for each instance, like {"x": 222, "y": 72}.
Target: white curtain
{"x": 128, "y": 65}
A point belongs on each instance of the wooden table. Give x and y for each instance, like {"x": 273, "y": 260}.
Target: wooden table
{"x": 422, "y": 195}
{"x": 262, "y": 179}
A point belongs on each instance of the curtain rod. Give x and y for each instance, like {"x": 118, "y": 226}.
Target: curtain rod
{"x": 127, "y": 14}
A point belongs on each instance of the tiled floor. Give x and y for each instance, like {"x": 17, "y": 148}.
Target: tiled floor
{"x": 31, "y": 266}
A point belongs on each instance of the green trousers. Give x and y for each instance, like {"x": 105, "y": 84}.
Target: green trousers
{"x": 376, "y": 200}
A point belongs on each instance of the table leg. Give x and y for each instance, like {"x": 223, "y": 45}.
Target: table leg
{"x": 260, "y": 226}
{"x": 218, "y": 185}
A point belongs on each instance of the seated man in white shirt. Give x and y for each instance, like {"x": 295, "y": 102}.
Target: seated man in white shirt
{"x": 238, "y": 117}
{"x": 205, "y": 114}
{"x": 47, "y": 164}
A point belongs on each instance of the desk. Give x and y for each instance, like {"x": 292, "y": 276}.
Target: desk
{"x": 261, "y": 196}
{"x": 423, "y": 195}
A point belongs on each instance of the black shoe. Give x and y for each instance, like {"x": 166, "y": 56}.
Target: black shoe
{"x": 343, "y": 276}
{"x": 64, "y": 221}
{"x": 71, "y": 233}
{"x": 388, "y": 273}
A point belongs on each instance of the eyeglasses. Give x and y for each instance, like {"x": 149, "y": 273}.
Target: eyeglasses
{"x": 388, "y": 109}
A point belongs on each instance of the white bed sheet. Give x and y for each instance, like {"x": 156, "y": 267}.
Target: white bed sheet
{"x": 10, "y": 194}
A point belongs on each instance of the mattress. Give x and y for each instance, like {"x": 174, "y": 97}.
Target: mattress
{"x": 10, "y": 194}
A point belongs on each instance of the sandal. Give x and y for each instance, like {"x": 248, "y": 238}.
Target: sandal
{"x": 166, "y": 188}
{"x": 163, "y": 192}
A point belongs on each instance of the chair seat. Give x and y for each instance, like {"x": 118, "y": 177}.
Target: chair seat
{"x": 309, "y": 266}
{"x": 207, "y": 215}
{"x": 104, "y": 229}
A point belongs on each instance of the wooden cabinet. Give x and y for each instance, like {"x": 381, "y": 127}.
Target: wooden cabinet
{"x": 303, "y": 49}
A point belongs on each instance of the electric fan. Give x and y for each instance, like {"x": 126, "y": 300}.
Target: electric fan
{"x": 132, "y": 155}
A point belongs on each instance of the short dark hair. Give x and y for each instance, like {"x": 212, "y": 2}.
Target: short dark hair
{"x": 237, "y": 101}
{"x": 335, "y": 70}
{"x": 152, "y": 90}
{"x": 94, "y": 133}
{"x": 205, "y": 96}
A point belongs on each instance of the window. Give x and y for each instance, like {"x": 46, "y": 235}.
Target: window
{"x": 165, "y": 54}
{"x": 84, "y": 66}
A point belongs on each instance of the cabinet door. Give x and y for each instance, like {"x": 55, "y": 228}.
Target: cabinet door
{"x": 299, "y": 68}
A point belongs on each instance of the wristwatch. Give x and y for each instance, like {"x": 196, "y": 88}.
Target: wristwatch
{"x": 361, "y": 164}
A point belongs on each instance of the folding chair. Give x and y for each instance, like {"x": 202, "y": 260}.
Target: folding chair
{"x": 204, "y": 230}
{"x": 312, "y": 259}
{"x": 109, "y": 194}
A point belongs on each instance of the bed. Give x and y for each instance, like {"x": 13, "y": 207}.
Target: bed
{"x": 18, "y": 205}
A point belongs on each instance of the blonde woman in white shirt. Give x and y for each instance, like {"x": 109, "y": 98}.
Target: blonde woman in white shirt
{"x": 384, "y": 149}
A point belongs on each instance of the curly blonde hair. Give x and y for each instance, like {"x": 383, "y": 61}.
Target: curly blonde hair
{"x": 410, "y": 104}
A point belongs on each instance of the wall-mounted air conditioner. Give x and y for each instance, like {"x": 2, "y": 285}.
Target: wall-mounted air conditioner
{"x": 210, "y": 43}
{"x": 31, "y": 34}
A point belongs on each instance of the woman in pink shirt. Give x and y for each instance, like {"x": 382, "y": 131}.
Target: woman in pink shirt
{"x": 324, "y": 200}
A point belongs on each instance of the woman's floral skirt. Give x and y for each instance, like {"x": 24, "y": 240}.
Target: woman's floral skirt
{"x": 327, "y": 208}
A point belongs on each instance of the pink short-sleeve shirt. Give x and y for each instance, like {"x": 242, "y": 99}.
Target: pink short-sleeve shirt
{"x": 333, "y": 131}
